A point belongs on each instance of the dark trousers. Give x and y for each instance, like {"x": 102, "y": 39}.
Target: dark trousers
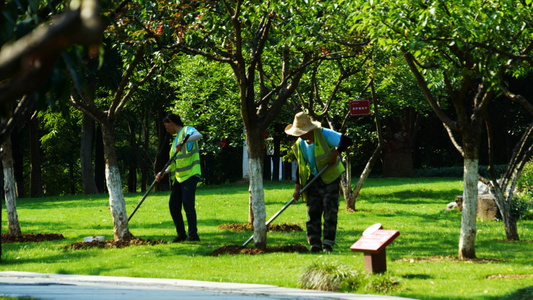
{"x": 183, "y": 195}
{"x": 322, "y": 201}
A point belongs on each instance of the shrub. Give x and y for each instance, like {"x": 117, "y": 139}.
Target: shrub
{"x": 331, "y": 277}
{"x": 457, "y": 171}
{"x": 524, "y": 184}
{"x": 381, "y": 284}
{"x": 522, "y": 205}
{"x": 440, "y": 172}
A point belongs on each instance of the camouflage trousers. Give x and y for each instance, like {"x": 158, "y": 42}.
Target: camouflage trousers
{"x": 322, "y": 201}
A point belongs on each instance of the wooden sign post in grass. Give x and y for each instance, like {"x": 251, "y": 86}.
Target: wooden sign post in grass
{"x": 373, "y": 244}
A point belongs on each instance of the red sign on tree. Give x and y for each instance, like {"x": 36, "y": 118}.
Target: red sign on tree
{"x": 360, "y": 107}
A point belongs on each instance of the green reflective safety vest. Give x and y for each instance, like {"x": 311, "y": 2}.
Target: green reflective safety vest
{"x": 322, "y": 153}
{"x": 187, "y": 163}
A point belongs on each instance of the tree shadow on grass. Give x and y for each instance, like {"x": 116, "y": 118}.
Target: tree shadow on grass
{"x": 525, "y": 293}
{"x": 31, "y": 237}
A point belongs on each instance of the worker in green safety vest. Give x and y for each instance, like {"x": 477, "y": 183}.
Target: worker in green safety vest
{"x": 315, "y": 149}
{"x": 185, "y": 172}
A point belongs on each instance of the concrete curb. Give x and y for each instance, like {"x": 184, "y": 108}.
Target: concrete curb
{"x": 63, "y": 286}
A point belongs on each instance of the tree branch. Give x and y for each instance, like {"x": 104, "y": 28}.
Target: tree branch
{"x": 447, "y": 121}
{"x": 523, "y": 56}
{"x": 134, "y": 88}
{"x": 518, "y": 99}
{"x": 454, "y": 141}
{"x": 86, "y": 105}
{"x": 118, "y": 98}
{"x": 23, "y": 109}
{"x": 25, "y": 63}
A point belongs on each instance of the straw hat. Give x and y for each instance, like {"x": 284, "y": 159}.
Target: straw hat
{"x": 301, "y": 125}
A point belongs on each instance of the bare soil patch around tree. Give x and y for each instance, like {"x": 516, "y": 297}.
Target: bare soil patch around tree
{"x": 111, "y": 243}
{"x": 114, "y": 244}
{"x": 235, "y": 249}
{"x": 448, "y": 259}
{"x": 284, "y": 227}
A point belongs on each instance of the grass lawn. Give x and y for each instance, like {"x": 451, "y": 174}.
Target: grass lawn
{"x": 421, "y": 259}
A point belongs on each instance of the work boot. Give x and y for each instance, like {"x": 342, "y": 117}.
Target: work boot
{"x": 328, "y": 248}
{"x": 178, "y": 239}
{"x": 315, "y": 249}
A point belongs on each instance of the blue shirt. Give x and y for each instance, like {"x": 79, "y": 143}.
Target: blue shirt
{"x": 332, "y": 138}
{"x": 189, "y": 130}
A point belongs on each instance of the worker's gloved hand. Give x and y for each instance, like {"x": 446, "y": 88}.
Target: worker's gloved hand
{"x": 159, "y": 176}
{"x": 296, "y": 193}
{"x": 333, "y": 157}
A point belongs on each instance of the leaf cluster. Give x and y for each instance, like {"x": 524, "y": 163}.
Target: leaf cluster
{"x": 206, "y": 97}
{"x": 461, "y": 37}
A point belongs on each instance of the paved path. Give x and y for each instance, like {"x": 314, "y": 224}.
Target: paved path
{"x": 82, "y": 287}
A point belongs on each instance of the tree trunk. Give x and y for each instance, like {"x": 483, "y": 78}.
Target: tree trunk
{"x": 163, "y": 149}
{"x": 144, "y": 137}
{"x": 400, "y": 135}
{"x": 117, "y": 203}
{"x": 257, "y": 195}
{"x": 503, "y": 192}
{"x": 504, "y": 202}
{"x": 86, "y": 158}
{"x": 250, "y": 202}
{"x": 351, "y": 197}
{"x": 72, "y": 180}
{"x": 468, "y": 219}
{"x": 36, "y": 189}
{"x": 277, "y": 154}
{"x": 132, "y": 168}
{"x": 99, "y": 161}
{"x": 509, "y": 222}
{"x": 346, "y": 185}
{"x": 18, "y": 162}
{"x": 9, "y": 190}
{"x": 511, "y": 231}
{"x": 398, "y": 164}
{"x": 132, "y": 179}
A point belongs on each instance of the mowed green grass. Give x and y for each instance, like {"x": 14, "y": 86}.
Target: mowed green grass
{"x": 421, "y": 258}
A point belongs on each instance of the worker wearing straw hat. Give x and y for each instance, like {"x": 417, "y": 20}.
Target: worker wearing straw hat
{"x": 315, "y": 148}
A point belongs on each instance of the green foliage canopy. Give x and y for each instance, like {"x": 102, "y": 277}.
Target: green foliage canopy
{"x": 488, "y": 38}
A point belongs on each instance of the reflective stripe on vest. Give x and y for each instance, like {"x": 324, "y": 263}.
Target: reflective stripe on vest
{"x": 187, "y": 163}
{"x": 322, "y": 153}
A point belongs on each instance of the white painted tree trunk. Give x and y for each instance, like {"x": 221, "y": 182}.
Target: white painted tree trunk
{"x": 11, "y": 203}
{"x": 10, "y": 190}
{"x": 117, "y": 203}
{"x": 245, "y": 163}
{"x": 468, "y": 220}
{"x": 258, "y": 202}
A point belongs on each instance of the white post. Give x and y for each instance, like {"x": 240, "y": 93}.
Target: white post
{"x": 245, "y": 171}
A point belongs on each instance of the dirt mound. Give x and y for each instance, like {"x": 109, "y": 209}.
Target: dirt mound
{"x": 113, "y": 244}
{"x": 285, "y": 227}
{"x": 234, "y": 249}
{"x": 31, "y": 237}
